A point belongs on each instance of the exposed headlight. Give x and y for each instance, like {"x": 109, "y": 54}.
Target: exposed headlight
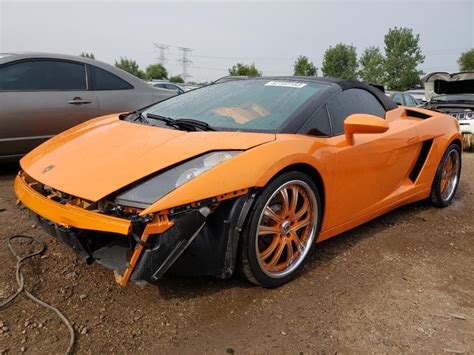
{"x": 151, "y": 190}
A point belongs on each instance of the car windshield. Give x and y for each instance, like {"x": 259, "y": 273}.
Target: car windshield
{"x": 246, "y": 105}
{"x": 453, "y": 98}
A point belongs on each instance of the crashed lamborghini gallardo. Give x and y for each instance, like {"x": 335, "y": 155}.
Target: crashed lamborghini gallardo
{"x": 246, "y": 175}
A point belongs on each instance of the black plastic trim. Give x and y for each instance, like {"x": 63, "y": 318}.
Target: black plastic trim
{"x": 420, "y": 162}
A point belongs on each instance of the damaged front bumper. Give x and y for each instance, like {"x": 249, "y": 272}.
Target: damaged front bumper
{"x": 142, "y": 249}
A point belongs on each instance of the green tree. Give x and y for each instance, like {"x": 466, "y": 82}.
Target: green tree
{"x": 156, "y": 71}
{"x": 466, "y": 60}
{"x": 402, "y": 57}
{"x": 130, "y": 66}
{"x": 87, "y": 55}
{"x": 303, "y": 67}
{"x": 371, "y": 66}
{"x": 340, "y": 62}
{"x": 244, "y": 70}
{"x": 177, "y": 79}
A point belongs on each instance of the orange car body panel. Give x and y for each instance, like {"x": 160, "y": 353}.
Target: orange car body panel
{"x": 362, "y": 179}
{"x": 105, "y": 154}
{"x": 67, "y": 215}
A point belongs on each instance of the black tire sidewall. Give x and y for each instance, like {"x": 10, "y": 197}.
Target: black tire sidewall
{"x": 250, "y": 232}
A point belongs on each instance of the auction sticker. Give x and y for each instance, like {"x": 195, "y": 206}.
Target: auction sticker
{"x": 287, "y": 84}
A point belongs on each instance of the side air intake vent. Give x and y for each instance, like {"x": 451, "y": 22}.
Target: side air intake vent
{"x": 420, "y": 162}
{"x": 416, "y": 114}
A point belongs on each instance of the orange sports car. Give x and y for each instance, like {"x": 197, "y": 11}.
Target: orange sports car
{"x": 243, "y": 175}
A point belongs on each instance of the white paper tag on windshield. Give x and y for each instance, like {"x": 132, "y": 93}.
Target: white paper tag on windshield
{"x": 287, "y": 84}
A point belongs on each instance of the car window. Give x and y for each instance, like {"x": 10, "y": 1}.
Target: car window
{"x": 103, "y": 80}
{"x": 317, "y": 124}
{"x": 409, "y": 101}
{"x": 159, "y": 86}
{"x": 398, "y": 98}
{"x": 352, "y": 101}
{"x": 171, "y": 87}
{"x": 43, "y": 75}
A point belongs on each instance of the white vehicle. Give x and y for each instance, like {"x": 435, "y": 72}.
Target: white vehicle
{"x": 453, "y": 94}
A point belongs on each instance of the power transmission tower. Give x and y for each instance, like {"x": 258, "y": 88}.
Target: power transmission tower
{"x": 162, "y": 57}
{"x": 185, "y": 62}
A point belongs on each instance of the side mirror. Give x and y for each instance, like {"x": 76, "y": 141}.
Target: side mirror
{"x": 363, "y": 123}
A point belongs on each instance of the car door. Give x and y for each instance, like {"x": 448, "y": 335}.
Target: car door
{"x": 40, "y": 98}
{"x": 369, "y": 171}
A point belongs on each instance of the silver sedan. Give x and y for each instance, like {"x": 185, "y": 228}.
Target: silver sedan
{"x": 43, "y": 94}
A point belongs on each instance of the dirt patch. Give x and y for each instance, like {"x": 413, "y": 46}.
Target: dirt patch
{"x": 401, "y": 283}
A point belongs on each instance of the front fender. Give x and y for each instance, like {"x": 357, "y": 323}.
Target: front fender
{"x": 252, "y": 168}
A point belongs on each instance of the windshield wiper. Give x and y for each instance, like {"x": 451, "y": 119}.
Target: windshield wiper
{"x": 204, "y": 126}
{"x": 164, "y": 119}
{"x": 186, "y": 123}
{"x": 139, "y": 117}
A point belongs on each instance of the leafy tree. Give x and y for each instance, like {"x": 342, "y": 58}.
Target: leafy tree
{"x": 87, "y": 55}
{"x": 371, "y": 66}
{"x": 130, "y": 66}
{"x": 466, "y": 60}
{"x": 244, "y": 70}
{"x": 177, "y": 79}
{"x": 156, "y": 71}
{"x": 303, "y": 67}
{"x": 340, "y": 62}
{"x": 402, "y": 56}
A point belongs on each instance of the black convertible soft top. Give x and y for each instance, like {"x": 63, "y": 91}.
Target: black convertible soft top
{"x": 385, "y": 100}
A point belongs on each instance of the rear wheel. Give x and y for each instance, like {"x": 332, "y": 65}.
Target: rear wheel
{"x": 447, "y": 176}
{"x": 281, "y": 231}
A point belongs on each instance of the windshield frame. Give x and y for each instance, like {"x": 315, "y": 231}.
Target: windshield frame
{"x": 289, "y": 125}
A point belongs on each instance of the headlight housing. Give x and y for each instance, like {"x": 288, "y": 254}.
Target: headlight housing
{"x": 151, "y": 190}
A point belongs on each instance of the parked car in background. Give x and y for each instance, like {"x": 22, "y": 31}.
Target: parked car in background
{"x": 418, "y": 95}
{"x": 189, "y": 87}
{"x": 43, "y": 94}
{"x": 165, "y": 84}
{"x": 402, "y": 98}
{"x": 453, "y": 94}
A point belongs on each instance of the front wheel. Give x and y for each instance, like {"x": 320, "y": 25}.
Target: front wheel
{"x": 281, "y": 231}
{"x": 446, "y": 180}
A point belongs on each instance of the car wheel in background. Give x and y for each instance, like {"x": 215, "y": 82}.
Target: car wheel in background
{"x": 281, "y": 231}
{"x": 447, "y": 176}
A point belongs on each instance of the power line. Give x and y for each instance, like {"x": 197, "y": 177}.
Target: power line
{"x": 162, "y": 56}
{"x": 185, "y": 62}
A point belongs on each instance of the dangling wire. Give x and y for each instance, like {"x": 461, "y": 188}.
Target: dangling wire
{"x": 21, "y": 285}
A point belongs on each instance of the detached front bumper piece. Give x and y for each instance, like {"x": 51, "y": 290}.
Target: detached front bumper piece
{"x": 110, "y": 240}
{"x": 192, "y": 241}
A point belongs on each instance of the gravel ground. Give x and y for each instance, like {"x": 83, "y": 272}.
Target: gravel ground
{"x": 401, "y": 283}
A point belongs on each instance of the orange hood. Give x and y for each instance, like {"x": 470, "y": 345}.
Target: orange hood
{"x": 105, "y": 154}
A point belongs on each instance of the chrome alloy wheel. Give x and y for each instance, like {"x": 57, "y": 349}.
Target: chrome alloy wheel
{"x": 450, "y": 175}
{"x": 286, "y": 228}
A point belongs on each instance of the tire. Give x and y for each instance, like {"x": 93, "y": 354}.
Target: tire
{"x": 447, "y": 176}
{"x": 279, "y": 236}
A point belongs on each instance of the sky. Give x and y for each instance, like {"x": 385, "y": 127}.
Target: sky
{"x": 270, "y": 34}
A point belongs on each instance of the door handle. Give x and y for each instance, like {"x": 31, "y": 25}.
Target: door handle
{"x": 78, "y": 101}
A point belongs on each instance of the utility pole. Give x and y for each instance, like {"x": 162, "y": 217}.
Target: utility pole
{"x": 162, "y": 56}
{"x": 185, "y": 62}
